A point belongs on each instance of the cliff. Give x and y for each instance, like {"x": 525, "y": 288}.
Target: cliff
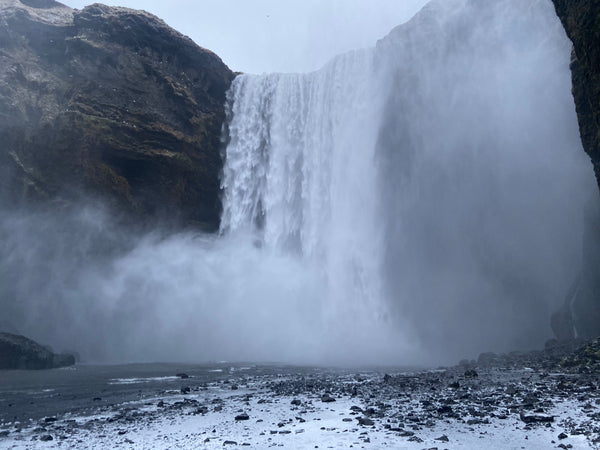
{"x": 581, "y": 20}
{"x": 109, "y": 103}
{"x": 18, "y": 352}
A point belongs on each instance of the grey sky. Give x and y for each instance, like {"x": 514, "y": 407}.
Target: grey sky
{"x": 277, "y": 35}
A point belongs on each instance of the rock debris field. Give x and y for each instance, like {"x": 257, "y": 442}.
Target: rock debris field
{"x": 497, "y": 402}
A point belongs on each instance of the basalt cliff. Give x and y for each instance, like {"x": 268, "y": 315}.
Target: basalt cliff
{"x": 112, "y": 104}
{"x": 581, "y": 19}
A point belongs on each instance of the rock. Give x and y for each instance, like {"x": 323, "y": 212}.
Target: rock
{"x": 242, "y": 416}
{"x": 326, "y": 398}
{"x": 471, "y": 374}
{"x": 562, "y": 436}
{"x": 46, "y": 438}
{"x": 111, "y": 103}
{"x": 229, "y": 443}
{"x": 365, "y": 421}
{"x": 580, "y": 19}
{"x": 442, "y": 438}
{"x": 185, "y": 390}
{"x": 296, "y": 402}
{"x": 19, "y": 352}
{"x": 183, "y": 376}
{"x": 535, "y": 418}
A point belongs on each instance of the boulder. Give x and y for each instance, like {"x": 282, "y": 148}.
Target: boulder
{"x": 19, "y": 352}
{"x": 109, "y": 103}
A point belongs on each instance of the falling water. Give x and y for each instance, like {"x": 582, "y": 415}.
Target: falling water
{"x": 417, "y": 202}
{"x": 436, "y": 180}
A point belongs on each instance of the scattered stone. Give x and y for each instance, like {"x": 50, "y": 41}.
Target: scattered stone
{"x": 471, "y": 373}
{"x": 326, "y": 398}
{"x": 365, "y": 421}
{"x": 536, "y": 418}
{"x": 229, "y": 443}
{"x": 242, "y": 416}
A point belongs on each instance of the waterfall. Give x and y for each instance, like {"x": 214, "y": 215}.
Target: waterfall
{"x": 301, "y": 178}
{"x": 417, "y": 202}
{"x": 436, "y": 180}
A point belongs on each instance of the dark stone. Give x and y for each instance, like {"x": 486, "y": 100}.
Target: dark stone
{"x": 185, "y": 390}
{"x": 110, "y": 103}
{"x": 296, "y": 402}
{"x": 534, "y": 418}
{"x": 562, "y": 436}
{"x": 229, "y": 443}
{"x": 365, "y": 421}
{"x": 183, "y": 376}
{"x": 471, "y": 374}
{"x": 19, "y": 352}
{"x": 442, "y": 438}
{"x": 242, "y": 416}
{"x": 46, "y": 438}
{"x": 326, "y": 398}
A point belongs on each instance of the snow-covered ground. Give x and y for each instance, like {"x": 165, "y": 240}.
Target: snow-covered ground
{"x": 404, "y": 411}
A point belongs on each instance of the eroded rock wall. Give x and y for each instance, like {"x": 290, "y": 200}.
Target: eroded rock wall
{"x": 581, "y": 19}
{"x": 111, "y": 103}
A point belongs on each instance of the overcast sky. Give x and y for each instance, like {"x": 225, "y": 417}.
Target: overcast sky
{"x": 259, "y": 36}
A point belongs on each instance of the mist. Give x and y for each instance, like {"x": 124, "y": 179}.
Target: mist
{"x": 418, "y": 202}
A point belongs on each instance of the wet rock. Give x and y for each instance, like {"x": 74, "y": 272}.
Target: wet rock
{"x": 536, "y": 418}
{"x": 125, "y": 108}
{"x": 183, "y": 376}
{"x": 326, "y": 398}
{"x": 365, "y": 421}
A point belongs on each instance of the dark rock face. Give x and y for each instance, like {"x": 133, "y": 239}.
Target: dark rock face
{"x": 581, "y": 19}
{"x": 112, "y": 103}
{"x": 18, "y": 352}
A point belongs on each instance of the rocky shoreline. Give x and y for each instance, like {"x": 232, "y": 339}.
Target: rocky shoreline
{"x": 547, "y": 399}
